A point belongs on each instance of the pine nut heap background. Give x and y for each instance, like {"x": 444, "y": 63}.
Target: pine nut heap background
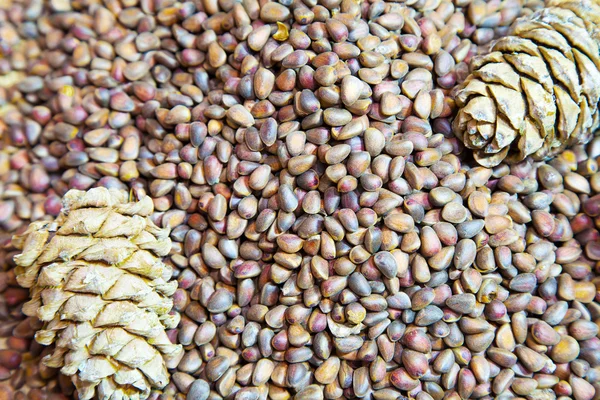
{"x": 329, "y": 199}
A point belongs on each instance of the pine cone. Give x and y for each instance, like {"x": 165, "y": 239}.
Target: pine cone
{"x": 537, "y": 92}
{"x": 98, "y": 285}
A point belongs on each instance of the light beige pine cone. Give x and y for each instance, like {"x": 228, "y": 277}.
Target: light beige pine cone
{"x": 98, "y": 284}
{"x": 537, "y": 92}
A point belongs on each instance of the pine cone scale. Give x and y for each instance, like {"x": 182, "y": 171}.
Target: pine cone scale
{"x": 510, "y": 103}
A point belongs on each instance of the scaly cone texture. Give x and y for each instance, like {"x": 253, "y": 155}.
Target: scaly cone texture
{"x": 537, "y": 91}
{"x": 97, "y": 282}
